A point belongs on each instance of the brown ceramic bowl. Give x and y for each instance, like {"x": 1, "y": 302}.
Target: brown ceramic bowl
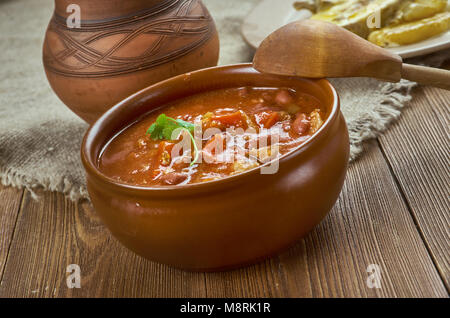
{"x": 220, "y": 224}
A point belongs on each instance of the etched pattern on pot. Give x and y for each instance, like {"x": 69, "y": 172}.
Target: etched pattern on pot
{"x": 105, "y": 48}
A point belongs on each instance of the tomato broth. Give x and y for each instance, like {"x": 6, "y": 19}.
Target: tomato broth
{"x": 234, "y": 130}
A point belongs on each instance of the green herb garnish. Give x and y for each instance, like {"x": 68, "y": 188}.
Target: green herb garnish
{"x": 164, "y": 126}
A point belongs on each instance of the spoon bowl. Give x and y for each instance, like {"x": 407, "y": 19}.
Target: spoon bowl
{"x": 317, "y": 49}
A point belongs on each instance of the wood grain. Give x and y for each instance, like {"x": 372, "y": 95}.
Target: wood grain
{"x": 369, "y": 225}
{"x": 53, "y": 232}
{"x": 417, "y": 148}
{"x": 426, "y": 75}
{"x": 10, "y": 200}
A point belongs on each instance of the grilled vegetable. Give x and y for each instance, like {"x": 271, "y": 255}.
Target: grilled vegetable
{"x": 411, "y": 11}
{"x": 402, "y": 21}
{"x": 316, "y": 5}
{"x": 353, "y": 14}
{"x": 411, "y": 32}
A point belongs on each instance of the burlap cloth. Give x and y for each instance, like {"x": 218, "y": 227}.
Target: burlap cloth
{"x": 40, "y": 138}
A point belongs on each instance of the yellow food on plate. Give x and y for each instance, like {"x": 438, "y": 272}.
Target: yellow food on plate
{"x": 316, "y": 5}
{"x": 353, "y": 14}
{"x": 417, "y": 10}
{"x": 387, "y": 23}
{"x": 412, "y": 32}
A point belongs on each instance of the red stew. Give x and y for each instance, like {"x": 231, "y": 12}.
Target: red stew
{"x": 235, "y": 130}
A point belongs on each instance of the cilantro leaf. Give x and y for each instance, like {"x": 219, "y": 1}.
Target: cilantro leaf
{"x": 164, "y": 126}
{"x": 189, "y": 126}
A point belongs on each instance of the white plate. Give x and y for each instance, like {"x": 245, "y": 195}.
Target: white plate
{"x": 270, "y": 15}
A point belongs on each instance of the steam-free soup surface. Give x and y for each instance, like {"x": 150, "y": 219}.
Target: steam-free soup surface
{"x": 237, "y": 130}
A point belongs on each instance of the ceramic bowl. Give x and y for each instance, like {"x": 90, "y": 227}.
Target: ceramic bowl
{"x": 226, "y": 223}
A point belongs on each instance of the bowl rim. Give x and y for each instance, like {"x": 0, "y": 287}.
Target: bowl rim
{"x": 90, "y": 164}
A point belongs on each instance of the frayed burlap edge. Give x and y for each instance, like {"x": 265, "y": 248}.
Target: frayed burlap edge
{"x": 10, "y": 177}
{"x": 374, "y": 123}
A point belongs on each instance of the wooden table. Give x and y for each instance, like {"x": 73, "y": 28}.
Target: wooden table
{"x": 393, "y": 211}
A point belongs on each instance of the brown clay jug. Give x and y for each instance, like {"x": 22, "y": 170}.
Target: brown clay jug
{"x": 120, "y": 47}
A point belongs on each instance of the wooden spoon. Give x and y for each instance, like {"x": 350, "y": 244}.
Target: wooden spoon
{"x": 317, "y": 49}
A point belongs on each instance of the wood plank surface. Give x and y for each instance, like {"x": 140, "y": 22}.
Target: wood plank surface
{"x": 418, "y": 150}
{"x": 10, "y": 200}
{"x": 370, "y": 224}
{"x": 52, "y": 233}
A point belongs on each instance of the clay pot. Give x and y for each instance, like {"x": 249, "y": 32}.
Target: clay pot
{"x": 229, "y": 222}
{"x": 122, "y": 47}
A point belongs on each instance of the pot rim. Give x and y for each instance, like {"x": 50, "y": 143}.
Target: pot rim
{"x": 91, "y": 167}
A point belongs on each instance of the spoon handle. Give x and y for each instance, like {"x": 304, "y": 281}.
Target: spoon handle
{"x": 427, "y": 75}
